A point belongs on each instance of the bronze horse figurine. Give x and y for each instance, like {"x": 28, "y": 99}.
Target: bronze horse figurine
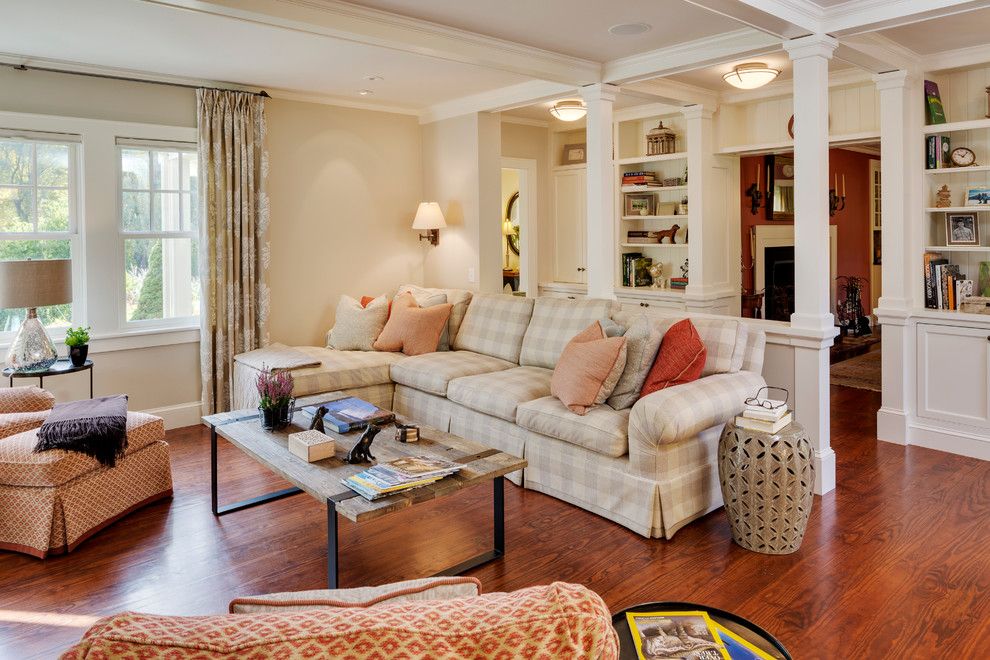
{"x": 668, "y": 233}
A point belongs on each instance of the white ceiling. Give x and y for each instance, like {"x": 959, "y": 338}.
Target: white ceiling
{"x": 151, "y": 38}
{"x": 574, "y": 27}
{"x": 946, "y": 33}
{"x": 541, "y": 111}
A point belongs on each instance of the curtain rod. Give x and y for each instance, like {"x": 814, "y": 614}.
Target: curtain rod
{"x": 24, "y": 67}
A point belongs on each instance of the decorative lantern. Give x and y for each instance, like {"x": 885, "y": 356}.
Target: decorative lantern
{"x": 660, "y": 140}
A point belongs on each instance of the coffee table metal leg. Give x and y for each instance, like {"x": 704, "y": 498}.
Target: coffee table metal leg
{"x": 498, "y": 506}
{"x": 332, "y": 556}
{"x": 243, "y": 504}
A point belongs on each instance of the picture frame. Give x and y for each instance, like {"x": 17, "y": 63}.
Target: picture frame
{"x": 575, "y": 154}
{"x": 962, "y": 229}
{"x": 645, "y": 204}
{"x": 978, "y": 196}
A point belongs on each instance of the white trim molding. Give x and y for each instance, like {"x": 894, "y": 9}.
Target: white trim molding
{"x": 178, "y": 415}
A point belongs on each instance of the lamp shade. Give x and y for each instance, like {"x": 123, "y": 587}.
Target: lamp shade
{"x": 35, "y": 283}
{"x": 429, "y": 216}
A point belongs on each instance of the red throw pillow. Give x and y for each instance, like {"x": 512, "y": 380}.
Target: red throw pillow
{"x": 366, "y": 300}
{"x": 680, "y": 359}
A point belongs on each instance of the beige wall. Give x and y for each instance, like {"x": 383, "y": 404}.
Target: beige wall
{"x": 523, "y": 141}
{"x": 344, "y": 186}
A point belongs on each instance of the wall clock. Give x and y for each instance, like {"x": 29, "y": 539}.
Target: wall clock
{"x": 963, "y": 157}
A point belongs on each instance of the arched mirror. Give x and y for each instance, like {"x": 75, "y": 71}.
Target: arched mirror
{"x": 512, "y": 217}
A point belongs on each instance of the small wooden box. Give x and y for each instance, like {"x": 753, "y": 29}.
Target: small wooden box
{"x": 975, "y": 305}
{"x": 311, "y": 446}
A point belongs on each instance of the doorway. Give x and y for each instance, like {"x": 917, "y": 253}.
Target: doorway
{"x": 519, "y": 226}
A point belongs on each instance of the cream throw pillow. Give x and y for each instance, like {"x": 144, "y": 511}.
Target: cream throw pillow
{"x": 643, "y": 339}
{"x": 356, "y": 328}
{"x": 588, "y": 369}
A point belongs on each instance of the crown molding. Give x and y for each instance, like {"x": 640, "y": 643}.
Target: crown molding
{"x": 524, "y": 121}
{"x": 812, "y": 45}
{"x": 341, "y": 102}
{"x": 957, "y": 59}
{"x": 497, "y": 100}
{"x": 691, "y": 55}
{"x": 342, "y": 20}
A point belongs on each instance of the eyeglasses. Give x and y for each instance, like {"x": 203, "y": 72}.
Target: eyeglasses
{"x": 767, "y": 402}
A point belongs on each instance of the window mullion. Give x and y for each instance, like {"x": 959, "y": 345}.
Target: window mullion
{"x": 33, "y": 178}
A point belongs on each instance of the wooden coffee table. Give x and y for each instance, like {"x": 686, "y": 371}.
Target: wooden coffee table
{"x": 322, "y": 479}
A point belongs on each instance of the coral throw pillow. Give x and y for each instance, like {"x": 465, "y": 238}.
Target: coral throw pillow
{"x": 413, "y": 329}
{"x": 680, "y": 360}
{"x": 367, "y": 300}
{"x": 588, "y": 369}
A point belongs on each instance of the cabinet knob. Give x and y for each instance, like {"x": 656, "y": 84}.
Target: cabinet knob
{"x": 570, "y": 297}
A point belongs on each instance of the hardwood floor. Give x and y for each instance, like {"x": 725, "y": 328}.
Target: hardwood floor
{"x": 896, "y": 562}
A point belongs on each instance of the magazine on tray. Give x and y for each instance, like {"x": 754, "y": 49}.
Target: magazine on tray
{"x": 676, "y": 635}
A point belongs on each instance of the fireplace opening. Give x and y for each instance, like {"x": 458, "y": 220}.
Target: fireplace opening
{"x": 778, "y": 274}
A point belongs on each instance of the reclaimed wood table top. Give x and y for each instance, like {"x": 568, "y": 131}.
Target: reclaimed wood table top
{"x": 322, "y": 479}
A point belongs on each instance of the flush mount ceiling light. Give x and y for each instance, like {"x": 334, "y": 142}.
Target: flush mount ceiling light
{"x": 630, "y": 29}
{"x": 373, "y": 78}
{"x": 750, "y": 75}
{"x": 365, "y": 92}
{"x": 569, "y": 110}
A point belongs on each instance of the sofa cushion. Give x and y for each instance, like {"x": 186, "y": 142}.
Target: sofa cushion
{"x": 725, "y": 341}
{"x": 554, "y": 621}
{"x": 602, "y": 429}
{"x": 432, "y": 588}
{"x": 555, "y": 322}
{"x": 680, "y": 360}
{"x": 643, "y": 339}
{"x": 21, "y": 466}
{"x": 412, "y": 329}
{"x": 500, "y": 393}
{"x": 495, "y": 325}
{"x": 341, "y": 370}
{"x": 432, "y": 372}
{"x": 25, "y": 399}
{"x": 459, "y": 300}
{"x": 588, "y": 369}
{"x": 356, "y": 326}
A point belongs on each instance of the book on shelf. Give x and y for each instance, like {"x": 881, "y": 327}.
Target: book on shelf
{"x": 628, "y": 266}
{"x": 399, "y": 475}
{"x": 640, "y": 187}
{"x": 941, "y": 280}
{"x": 938, "y": 152}
{"x": 641, "y": 271}
{"x": 933, "y": 102}
{"x": 645, "y": 237}
{"x": 349, "y": 414}
{"x": 762, "y": 425}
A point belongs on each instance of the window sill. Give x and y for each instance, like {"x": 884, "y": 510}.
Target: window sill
{"x": 129, "y": 340}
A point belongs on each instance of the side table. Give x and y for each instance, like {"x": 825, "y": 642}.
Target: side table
{"x": 748, "y": 630}
{"x": 61, "y": 366}
{"x": 768, "y": 485}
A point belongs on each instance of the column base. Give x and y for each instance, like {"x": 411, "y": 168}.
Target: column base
{"x": 892, "y": 426}
{"x": 824, "y": 471}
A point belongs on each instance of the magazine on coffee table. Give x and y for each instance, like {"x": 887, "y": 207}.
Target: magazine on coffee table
{"x": 676, "y": 635}
{"x": 389, "y": 478}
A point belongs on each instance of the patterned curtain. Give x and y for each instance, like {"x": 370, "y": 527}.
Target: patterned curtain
{"x": 234, "y": 252}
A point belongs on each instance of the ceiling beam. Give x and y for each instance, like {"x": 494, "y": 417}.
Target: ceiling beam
{"x": 497, "y": 100}
{"x": 786, "y": 19}
{"x": 857, "y": 17}
{"x": 341, "y": 20}
{"x": 876, "y": 53}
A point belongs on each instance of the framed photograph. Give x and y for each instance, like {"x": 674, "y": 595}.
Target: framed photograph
{"x": 641, "y": 205}
{"x": 575, "y": 154}
{"x": 962, "y": 229}
{"x": 978, "y": 196}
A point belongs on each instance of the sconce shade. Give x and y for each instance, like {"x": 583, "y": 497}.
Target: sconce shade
{"x": 508, "y": 229}
{"x": 429, "y": 216}
{"x": 35, "y": 283}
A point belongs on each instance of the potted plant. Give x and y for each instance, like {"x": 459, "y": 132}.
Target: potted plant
{"x": 276, "y": 402}
{"x": 77, "y": 339}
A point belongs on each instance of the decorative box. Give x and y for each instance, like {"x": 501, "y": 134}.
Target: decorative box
{"x": 311, "y": 446}
{"x": 666, "y": 208}
{"x": 975, "y": 305}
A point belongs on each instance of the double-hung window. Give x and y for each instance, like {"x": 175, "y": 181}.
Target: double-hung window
{"x": 159, "y": 224}
{"x": 38, "y": 211}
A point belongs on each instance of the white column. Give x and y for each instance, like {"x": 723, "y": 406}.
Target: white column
{"x": 601, "y": 190}
{"x": 812, "y": 312}
{"x": 900, "y": 146}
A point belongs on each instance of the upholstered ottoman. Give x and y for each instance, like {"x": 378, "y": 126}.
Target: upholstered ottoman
{"x": 52, "y": 501}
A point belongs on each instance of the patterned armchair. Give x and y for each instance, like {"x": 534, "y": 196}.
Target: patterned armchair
{"x": 52, "y": 501}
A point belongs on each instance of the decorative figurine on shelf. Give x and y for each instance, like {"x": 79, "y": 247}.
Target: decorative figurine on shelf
{"x": 668, "y": 233}
{"x": 683, "y": 209}
{"x": 943, "y": 198}
{"x": 684, "y": 268}
{"x": 660, "y": 140}
{"x": 361, "y": 452}
{"x": 659, "y": 279}
{"x": 317, "y": 423}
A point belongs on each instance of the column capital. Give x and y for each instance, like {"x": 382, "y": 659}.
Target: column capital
{"x": 599, "y": 92}
{"x": 891, "y": 79}
{"x": 697, "y": 112}
{"x": 813, "y": 45}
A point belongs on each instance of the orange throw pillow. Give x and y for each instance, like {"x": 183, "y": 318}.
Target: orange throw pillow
{"x": 366, "y": 300}
{"x": 412, "y": 329}
{"x": 588, "y": 369}
{"x": 680, "y": 359}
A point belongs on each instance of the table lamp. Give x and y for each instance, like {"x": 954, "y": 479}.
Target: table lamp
{"x": 429, "y": 217}
{"x": 33, "y": 284}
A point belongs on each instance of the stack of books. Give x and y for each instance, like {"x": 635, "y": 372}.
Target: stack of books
{"x": 640, "y": 236}
{"x": 636, "y": 269}
{"x": 348, "y": 414}
{"x": 678, "y": 282}
{"x": 399, "y": 475}
{"x": 945, "y": 286}
{"x": 765, "y": 420}
{"x": 938, "y": 152}
{"x": 639, "y": 181}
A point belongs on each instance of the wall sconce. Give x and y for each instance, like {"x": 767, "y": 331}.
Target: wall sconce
{"x": 429, "y": 217}
{"x": 754, "y": 194}
{"x": 837, "y": 202}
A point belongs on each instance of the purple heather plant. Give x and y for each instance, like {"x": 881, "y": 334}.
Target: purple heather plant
{"x": 275, "y": 388}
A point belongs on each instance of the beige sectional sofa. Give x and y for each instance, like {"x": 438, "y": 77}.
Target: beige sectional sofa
{"x": 651, "y": 468}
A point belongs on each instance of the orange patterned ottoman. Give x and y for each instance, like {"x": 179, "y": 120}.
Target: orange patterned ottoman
{"x": 52, "y": 501}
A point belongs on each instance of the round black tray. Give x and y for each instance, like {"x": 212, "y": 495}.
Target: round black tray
{"x": 746, "y": 629}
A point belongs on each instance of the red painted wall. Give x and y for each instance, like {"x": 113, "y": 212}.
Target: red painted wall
{"x": 853, "y": 251}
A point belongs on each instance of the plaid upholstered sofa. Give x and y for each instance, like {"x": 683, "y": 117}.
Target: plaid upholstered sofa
{"x": 651, "y": 468}
{"x": 52, "y": 501}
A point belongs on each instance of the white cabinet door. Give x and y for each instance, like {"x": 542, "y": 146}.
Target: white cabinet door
{"x": 954, "y": 374}
{"x": 569, "y": 193}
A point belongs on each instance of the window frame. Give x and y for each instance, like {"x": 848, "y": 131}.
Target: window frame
{"x": 74, "y": 233}
{"x": 123, "y": 235}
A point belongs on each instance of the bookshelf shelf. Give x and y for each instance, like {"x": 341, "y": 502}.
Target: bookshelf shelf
{"x": 656, "y": 217}
{"x": 958, "y": 170}
{"x": 651, "y": 189}
{"x": 680, "y": 155}
{"x": 973, "y": 124}
{"x": 659, "y": 245}
{"x": 957, "y": 248}
{"x": 958, "y": 209}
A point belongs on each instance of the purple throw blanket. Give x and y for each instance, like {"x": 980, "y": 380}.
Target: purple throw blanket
{"x": 95, "y": 427}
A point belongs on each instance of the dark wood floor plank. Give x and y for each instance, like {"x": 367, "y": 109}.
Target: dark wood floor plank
{"x": 895, "y": 562}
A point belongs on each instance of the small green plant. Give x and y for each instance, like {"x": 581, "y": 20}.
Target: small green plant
{"x": 77, "y": 336}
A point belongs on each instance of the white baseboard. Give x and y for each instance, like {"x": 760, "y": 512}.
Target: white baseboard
{"x": 179, "y": 415}
{"x": 954, "y": 441}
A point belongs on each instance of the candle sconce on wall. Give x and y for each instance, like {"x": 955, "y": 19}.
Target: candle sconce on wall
{"x": 837, "y": 202}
